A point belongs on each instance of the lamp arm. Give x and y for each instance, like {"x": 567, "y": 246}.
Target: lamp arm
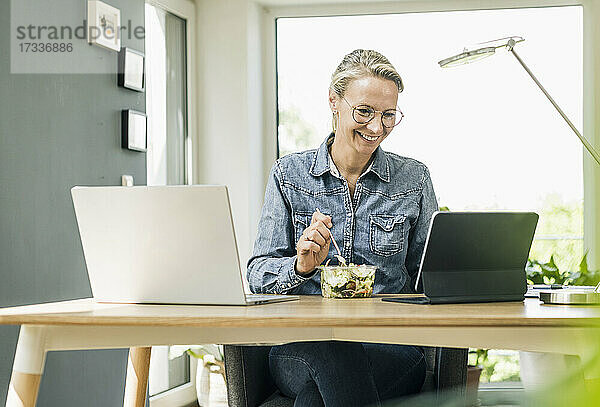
{"x": 586, "y": 143}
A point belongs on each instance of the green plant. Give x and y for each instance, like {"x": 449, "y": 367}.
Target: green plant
{"x": 477, "y": 357}
{"x": 549, "y": 273}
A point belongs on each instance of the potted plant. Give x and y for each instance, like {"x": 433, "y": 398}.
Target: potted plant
{"x": 210, "y": 361}
{"x": 477, "y": 358}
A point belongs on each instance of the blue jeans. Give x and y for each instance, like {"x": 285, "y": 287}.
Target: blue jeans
{"x": 346, "y": 374}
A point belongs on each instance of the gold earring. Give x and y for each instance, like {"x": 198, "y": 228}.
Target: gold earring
{"x": 334, "y": 120}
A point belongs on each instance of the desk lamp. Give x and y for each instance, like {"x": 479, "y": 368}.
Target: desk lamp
{"x": 487, "y": 49}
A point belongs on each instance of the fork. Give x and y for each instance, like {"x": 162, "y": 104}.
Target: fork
{"x": 339, "y": 255}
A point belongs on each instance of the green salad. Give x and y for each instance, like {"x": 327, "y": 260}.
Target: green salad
{"x": 347, "y": 280}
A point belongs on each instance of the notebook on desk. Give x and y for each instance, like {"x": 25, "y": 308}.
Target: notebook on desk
{"x": 162, "y": 244}
{"x": 474, "y": 257}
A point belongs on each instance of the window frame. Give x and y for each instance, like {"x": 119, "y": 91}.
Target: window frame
{"x": 185, "y": 9}
{"x": 591, "y": 79}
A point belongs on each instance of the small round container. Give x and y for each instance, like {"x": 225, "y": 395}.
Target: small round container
{"x": 351, "y": 281}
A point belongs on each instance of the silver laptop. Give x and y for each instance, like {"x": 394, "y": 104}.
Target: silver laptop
{"x": 162, "y": 244}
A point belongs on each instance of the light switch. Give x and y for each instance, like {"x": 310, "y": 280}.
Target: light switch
{"x": 127, "y": 180}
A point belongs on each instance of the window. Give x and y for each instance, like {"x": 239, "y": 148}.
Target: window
{"x": 488, "y": 135}
{"x": 166, "y": 97}
{"x": 495, "y": 141}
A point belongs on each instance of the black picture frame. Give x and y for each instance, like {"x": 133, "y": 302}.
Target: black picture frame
{"x": 134, "y": 130}
{"x": 132, "y": 69}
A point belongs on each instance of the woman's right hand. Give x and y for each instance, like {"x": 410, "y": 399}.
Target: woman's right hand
{"x": 313, "y": 245}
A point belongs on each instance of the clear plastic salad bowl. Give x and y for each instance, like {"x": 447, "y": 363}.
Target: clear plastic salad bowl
{"x": 350, "y": 281}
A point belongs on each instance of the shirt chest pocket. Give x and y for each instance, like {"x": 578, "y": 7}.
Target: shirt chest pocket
{"x": 386, "y": 234}
{"x": 301, "y": 222}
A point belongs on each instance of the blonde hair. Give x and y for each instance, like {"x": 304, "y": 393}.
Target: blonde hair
{"x": 358, "y": 64}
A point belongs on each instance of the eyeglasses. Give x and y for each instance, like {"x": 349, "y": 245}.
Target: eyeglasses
{"x": 363, "y": 114}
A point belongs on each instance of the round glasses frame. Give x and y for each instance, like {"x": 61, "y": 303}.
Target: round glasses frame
{"x": 355, "y": 113}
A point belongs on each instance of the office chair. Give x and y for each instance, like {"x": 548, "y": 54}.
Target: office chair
{"x": 249, "y": 382}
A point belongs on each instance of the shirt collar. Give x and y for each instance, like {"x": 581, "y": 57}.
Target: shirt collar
{"x": 323, "y": 162}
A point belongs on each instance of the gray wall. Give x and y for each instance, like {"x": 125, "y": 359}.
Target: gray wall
{"x": 57, "y": 131}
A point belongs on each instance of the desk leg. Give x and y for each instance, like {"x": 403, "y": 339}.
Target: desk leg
{"x": 137, "y": 377}
{"x": 28, "y": 367}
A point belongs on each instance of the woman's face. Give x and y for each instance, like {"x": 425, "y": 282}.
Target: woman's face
{"x": 380, "y": 94}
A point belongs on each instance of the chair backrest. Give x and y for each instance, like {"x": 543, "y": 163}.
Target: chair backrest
{"x": 249, "y": 382}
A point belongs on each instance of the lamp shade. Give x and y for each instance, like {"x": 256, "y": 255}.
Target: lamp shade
{"x": 467, "y": 57}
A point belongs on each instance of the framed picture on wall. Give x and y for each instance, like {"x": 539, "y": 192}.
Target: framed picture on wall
{"x": 104, "y": 25}
{"x": 133, "y": 130}
{"x": 131, "y": 69}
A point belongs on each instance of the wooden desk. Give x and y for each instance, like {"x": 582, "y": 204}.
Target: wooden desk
{"x": 83, "y": 324}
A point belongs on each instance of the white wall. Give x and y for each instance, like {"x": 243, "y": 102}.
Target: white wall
{"x": 229, "y": 108}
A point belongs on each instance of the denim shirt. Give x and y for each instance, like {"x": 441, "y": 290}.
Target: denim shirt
{"x": 385, "y": 224}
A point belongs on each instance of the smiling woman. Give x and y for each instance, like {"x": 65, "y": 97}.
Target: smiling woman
{"x": 477, "y": 132}
{"x": 378, "y": 205}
